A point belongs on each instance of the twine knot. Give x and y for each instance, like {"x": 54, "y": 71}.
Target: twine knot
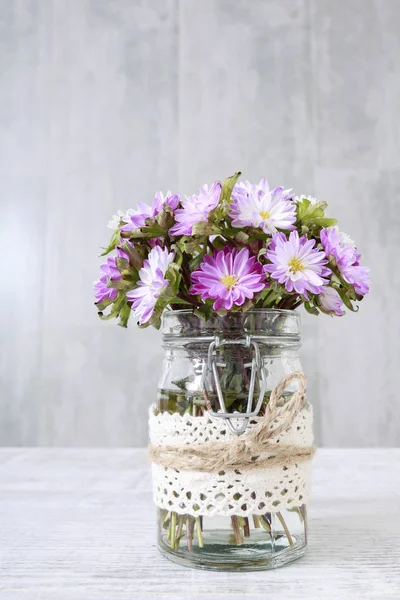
{"x": 251, "y": 450}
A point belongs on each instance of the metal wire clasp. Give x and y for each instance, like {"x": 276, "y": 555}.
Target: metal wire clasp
{"x": 256, "y": 369}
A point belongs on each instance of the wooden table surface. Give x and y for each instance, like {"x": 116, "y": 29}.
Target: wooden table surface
{"x": 78, "y": 524}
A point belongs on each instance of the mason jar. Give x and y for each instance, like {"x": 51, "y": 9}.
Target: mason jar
{"x": 214, "y": 373}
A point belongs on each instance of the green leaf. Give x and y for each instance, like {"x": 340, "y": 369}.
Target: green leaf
{"x": 120, "y": 284}
{"x": 177, "y": 300}
{"x": 187, "y": 244}
{"x": 313, "y": 213}
{"x": 178, "y": 260}
{"x": 197, "y": 260}
{"x": 258, "y": 234}
{"x": 273, "y": 297}
{"x": 304, "y": 230}
{"x": 302, "y": 208}
{"x": 221, "y": 211}
{"x": 155, "y": 320}
{"x": 346, "y": 300}
{"x": 219, "y": 243}
{"x": 324, "y": 221}
{"x": 235, "y": 385}
{"x": 135, "y": 257}
{"x": 309, "y": 215}
{"x": 313, "y": 310}
{"x": 103, "y": 304}
{"x": 204, "y": 312}
{"x": 165, "y": 218}
{"x": 122, "y": 263}
{"x": 123, "y": 266}
{"x": 335, "y": 279}
{"x": 115, "y": 239}
{"x": 173, "y": 275}
{"x": 241, "y": 237}
{"x": 118, "y": 303}
{"x": 152, "y": 230}
{"x": 205, "y": 229}
{"x": 248, "y": 305}
{"x": 276, "y": 286}
{"x": 227, "y": 188}
{"x": 265, "y": 292}
{"x": 124, "y": 315}
{"x": 322, "y": 204}
{"x": 182, "y": 383}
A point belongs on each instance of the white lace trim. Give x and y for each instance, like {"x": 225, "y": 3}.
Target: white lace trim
{"x": 242, "y": 492}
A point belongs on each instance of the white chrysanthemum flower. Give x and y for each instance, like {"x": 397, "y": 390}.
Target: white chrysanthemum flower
{"x": 257, "y": 206}
{"x": 312, "y": 200}
{"x": 116, "y": 219}
{"x": 346, "y": 239}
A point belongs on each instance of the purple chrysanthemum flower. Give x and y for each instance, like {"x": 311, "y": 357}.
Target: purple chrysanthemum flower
{"x": 297, "y": 264}
{"x": 339, "y": 246}
{"x": 137, "y": 218}
{"x": 330, "y": 301}
{"x": 110, "y": 271}
{"x": 196, "y": 209}
{"x": 102, "y": 292}
{"x": 230, "y": 277}
{"x": 358, "y": 277}
{"x": 121, "y": 253}
{"x": 152, "y": 282}
{"x": 258, "y": 206}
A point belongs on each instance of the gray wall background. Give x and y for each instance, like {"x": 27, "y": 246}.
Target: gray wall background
{"x": 103, "y": 102}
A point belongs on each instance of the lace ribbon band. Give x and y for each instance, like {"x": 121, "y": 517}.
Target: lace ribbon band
{"x": 201, "y": 467}
{"x": 248, "y": 451}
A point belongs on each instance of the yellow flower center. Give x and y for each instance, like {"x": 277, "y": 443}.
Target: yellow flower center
{"x": 264, "y": 214}
{"x": 229, "y": 281}
{"x": 295, "y": 265}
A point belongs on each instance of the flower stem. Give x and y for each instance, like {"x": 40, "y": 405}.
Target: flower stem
{"x": 236, "y": 531}
{"x": 199, "y": 533}
{"x": 285, "y": 528}
{"x": 168, "y": 524}
{"x": 298, "y": 510}
{"x": 256, "y": 521}
{"x": 189, "y": 533}
{"x": 244, "y": 522}
{"x": 173, "y": 529}
{"x": 179, "y": 531}
{"x": 303, "y": 512}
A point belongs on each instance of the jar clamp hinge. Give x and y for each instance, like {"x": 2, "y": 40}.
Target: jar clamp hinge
{"x": 256, "y": 369}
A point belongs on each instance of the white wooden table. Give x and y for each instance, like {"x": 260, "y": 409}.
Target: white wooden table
{"x": 79, "y": 525}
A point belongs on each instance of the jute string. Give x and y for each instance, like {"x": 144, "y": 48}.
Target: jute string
{"x": 251, "y": 450}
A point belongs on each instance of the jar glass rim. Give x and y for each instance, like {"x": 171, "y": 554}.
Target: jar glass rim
{"x": 257, "y": 322}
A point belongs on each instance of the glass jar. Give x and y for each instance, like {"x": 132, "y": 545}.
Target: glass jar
{"x": 190, "y": 385}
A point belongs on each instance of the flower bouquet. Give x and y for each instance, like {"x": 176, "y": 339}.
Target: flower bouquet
{"x": 231, "y": 434}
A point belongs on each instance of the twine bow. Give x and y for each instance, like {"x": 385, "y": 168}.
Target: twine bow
{"x": 251, "y": 450}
